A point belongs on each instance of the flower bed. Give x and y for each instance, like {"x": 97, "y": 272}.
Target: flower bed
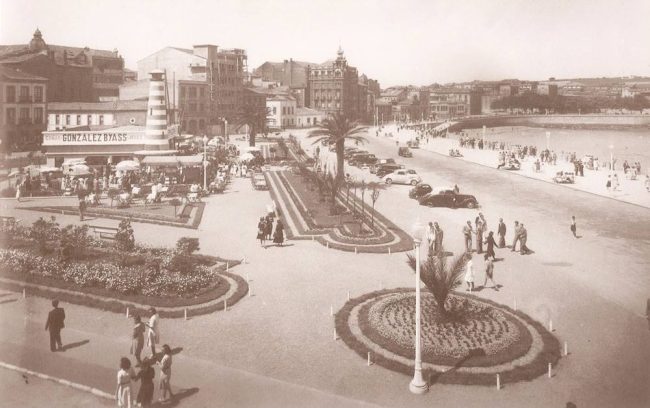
{"x": 490, "y": 339}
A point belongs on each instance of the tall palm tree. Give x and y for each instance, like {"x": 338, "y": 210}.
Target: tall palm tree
{"x": 335, "y": 130}
{"x": 256, "y": 117}
{"x": 439, "y": 278}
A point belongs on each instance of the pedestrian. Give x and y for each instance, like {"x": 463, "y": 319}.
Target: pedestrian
{"x": 467, "y": 233}
{"x": 268, "y": 227}
{"x": 502, "y": 233}
{"x": 479, "y": 235}
{"x": 485, "y": 224}
{"x": 573, "y": 226}
{"x": 153, "y": 336}
{"x": 490, "y": 245}
{"x": 146, "y": 376}
{"x": 489, "y": 272}
{"x": 439, "y": 235}
{"x": 517, "y": 233}
{"x": 55, "y": 322}
{"x": 469, "y": 273}
{"x": 523, "y": 237}
{"x": 82, "y": 207}
{"x": 137, "y": 338}
{"x": 261, "y": 230}
{"x": 19, "y": 187}
{"x": 166, "y": 374}
{"x": 278, "y": 235}
{"x": 125, "y": 375}
{"x": 431, "y": 236}
{"x": 609, "y": 183}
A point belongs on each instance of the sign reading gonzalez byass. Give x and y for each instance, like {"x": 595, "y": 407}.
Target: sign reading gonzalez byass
{"x": 92, "y": 138}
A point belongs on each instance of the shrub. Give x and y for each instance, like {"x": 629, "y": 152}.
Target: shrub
{"x": 44, "y": 231}
{"x": 8, "y": 192}
{"x": 124, "y": 239}
{"x": 73, "y": 242}
{"x": 187, "y": 245}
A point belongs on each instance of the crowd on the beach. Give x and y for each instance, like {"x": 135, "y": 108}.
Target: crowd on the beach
{"x": 125, "y": 394}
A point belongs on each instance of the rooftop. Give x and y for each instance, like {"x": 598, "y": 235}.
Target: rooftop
{"x": 118, "y": 105}
{"x": 17, "y": 75}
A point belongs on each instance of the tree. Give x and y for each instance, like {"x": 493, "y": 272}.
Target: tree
{"x": 44, "y": 231}
{"x": 374, "y": 196}
{"x": 440, "y": 278}
{"x": 256, "y": 117}
{"x": 335, "y": 130}
{"x": 124, "y": 238}
{"x": 187, "y": 245}
{"x": 363, "y": 187}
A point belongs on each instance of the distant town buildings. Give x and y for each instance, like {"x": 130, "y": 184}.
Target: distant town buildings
{"x": 95, "y": 115}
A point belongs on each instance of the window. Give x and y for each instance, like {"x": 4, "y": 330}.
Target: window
{"x": 11, "y": 94}
{"x": 38, "y": 115}
{"x": 38, "y": 94}
{"x": 284, "y": 110}
{"x": 182, "y": 92}
{"x": 101, "y": 119}
{"x": 89, "y": 119}
{"x": 24, "y": 93}
{"x": 309, "y": 121}
{"x": 67, "y": 120}
{"x": 24, "y": 115}
{"x": 192, "y": 105}
{"x": 57, "y": 119}
{"x": 274, "y": 110}
{"x": 78, "y": 120}
{"x": 192, "y": 92}
{"x": 11, "y": 116}
{"x": 201, "y": 106}
{"x": 202, "y": 92}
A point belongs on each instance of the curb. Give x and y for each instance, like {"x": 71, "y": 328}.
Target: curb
{"x": 60, "y": 381}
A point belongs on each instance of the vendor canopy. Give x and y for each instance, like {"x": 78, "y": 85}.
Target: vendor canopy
{"x": 172, "y": 160}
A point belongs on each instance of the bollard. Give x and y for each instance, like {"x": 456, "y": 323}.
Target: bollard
{"x": 566, "y": 349}
{"x": 498, "y": 382}
{"x": 227, "y": 266}
{"x": 185, "y": 316}
{"x": 327, "y": 244}
{"x": 388, "y": 250}
{"x": 550, "y": 325}
{"x": 515, "y": 302}
{"x": 24, "y": 293}
{"x": 225, "y": 305}
{"x": 369, "y": 359}
{"x": 127, "y": 312}
{"x": 355, "y": 250}
{"x": 550, "y": 372}
{"x": 335, "y": 336}
{"x": 348, "y": 295}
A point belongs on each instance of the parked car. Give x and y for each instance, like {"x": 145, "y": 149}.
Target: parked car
{"x": 404, "y": 152}
{"x": 259, "y": 181}
{"x": 420, "y": 190}
{"x": 387, "y": 169}
{"x": 386, "y": 161}
{"x": 361, "y": 159}
{"x": 413, "y": 144}
{"x": 448, "y": 198}
{"x": 402, "y": 176}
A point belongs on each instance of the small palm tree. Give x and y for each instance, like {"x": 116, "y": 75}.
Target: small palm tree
{"x": 256, "y": 117}
{"x": 335, "y": 130}
{"x": 439, "y": 278}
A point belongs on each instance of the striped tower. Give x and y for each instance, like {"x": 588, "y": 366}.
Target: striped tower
{"x": 155, "y": 137}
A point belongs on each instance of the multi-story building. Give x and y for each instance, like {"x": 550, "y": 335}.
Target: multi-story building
{"x": 95, "y": 115}
{"x": 193, "y": 106}
{"x": 449, "y": 102}
{"x": 282, "y": 111}
{"x": 221, "y": 71}
{"x": 75, "y": 74}
{"x": 307, "y": 117}
{"x": 334, "y": 87}
{"x": 288, "y": 73}
{"x": 23, "y": 104}
{"x": 255, "y": 99}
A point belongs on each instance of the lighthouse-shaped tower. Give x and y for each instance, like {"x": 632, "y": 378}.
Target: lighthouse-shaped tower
{"x": 155, "y": 136}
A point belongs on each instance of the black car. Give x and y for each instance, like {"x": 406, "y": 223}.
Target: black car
{"x": 420, "y": 190}
{"x": 361, "y": 159}
{"x": 448, "y": 199}
{"x": 384, "y": 169}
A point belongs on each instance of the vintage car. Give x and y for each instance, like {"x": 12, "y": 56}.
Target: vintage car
{"x": 404, "y": 152}
{"x": 420, "y": 190}
{"x": 259, "y": 181}
{"x": 564, "y": 177}
{"x": 384, "y": 169}
{"x": 413, "y": 144}
{"x": 402, "y": 176}
{"x": 448, "y": 198}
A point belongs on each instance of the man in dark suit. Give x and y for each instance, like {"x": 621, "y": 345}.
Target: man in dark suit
{"x": 502, "y": 233}
{"x": 54, "y": 324}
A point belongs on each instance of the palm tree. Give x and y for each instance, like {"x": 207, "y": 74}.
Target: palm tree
{"x": 335, "y": 130}
{"x": 440, "y": 279}
{"x": 256, "y": 117}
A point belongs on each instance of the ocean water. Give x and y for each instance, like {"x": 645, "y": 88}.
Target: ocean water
{"x": 630, "y": 145}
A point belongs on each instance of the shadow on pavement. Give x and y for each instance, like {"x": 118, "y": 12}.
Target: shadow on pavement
{"x": 74, "y": 345}
{"x": 8, "y": 301}
{"x": 433, "y": 378}
{"x": 178, "y": 396}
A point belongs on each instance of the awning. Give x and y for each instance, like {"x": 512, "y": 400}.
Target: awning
{"x": 172, "y": 160}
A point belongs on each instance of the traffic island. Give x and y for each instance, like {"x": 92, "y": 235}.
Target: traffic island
{"x": 476, "y": 341}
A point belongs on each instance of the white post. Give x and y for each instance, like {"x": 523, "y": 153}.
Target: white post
{"x": 550, "y": 325}
{"x": 355, "y": 250}
{"x": 247, "y": 278}
{"x": 348, "y": 295}
{"x": 388, "y": 250}
{"x": 331, "y": 310}
{"x": 498, "y": 382}
{"x": 550, "y": 370}
{"x": 336, "y": 337}
{"x": 127, "y": 312}
{"x": 327, "y": 244}
{"x": 185, "y": 314}
{"x": 417, "y": 385}
{"x": 205, "y": 162}
{"x": 225, "y": 305}
{"x": 250, "y": 290}
{"x": 368, "y": 359}
{"x": 24, "y": 294}
{"x": 227, "y": 266}
{"x": 566, "y": 349}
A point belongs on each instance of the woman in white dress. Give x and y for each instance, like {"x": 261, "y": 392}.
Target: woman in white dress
{"x": 469, "y": 274}
{"x": 153, "y": 335}
{"x": 125, "y": 375}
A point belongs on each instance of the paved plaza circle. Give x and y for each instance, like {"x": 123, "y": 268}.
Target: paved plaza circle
{"x": 482, "y": 338}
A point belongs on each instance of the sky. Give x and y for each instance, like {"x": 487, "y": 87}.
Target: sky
{"x": 405, "y": 42}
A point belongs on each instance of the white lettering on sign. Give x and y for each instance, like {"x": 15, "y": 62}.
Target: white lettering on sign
{"x": 92, "y": 138}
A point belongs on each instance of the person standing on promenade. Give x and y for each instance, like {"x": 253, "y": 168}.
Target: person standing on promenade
{"x": 437, "y": 247}
{"x": 573, "y": 226}
{"x": 467, "y": 232}
{"x": 485, "y": 224}
{"x": 502, "y": 233}
{"x": 489, "y": 272}
{"x": 278, "y": 235}
{"x": 517, "y": 234}
{"x": 55, "y": 322}
{"x": 431, "y": 236}
{"x": 137, "y": 338}
{"x": 479, "y": 235}
{"x": 523, "y": 237}
{"x": 146, "y": 376}
{"x": 153, "y": 336}
{"x": 261, "y": 230}
{"x": 166, "y": 374}
{"x": 490, "y": 245}
{"x": 125, "y": 375}
{"x": 268, "y": 227}
{"x": 469, "y": 273}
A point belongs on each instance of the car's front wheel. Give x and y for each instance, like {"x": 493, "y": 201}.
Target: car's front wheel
{"x": 471, "y": 204}
{"x": 389, "y": 181}
{"x": 414, "y": 182}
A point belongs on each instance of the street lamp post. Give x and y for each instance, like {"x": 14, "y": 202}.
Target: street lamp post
{"x": 611, "y": 158}
{"x": 548, "y": 140}
{"x": 418, "y": 385}
{"x": 205, "y": 162}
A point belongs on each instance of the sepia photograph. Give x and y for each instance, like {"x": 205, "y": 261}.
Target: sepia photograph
{"x": 325, "y": 203}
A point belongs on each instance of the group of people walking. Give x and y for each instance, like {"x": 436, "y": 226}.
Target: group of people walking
{"x": 265, "y": 230}
{"x": 477, "y": 232}
{"x": 435, "y": 235}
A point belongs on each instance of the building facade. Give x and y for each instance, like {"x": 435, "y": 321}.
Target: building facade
{"x": 334, "y": 87}
{"x": 282, "y": 112}
{"x": 23, "y": 107}
{"x": 75, "y": 74}
{"x": 307, "y": 117}
{"x": 97, "y": 115}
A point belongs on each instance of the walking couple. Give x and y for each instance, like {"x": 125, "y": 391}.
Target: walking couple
{"x": 264, "y": 229}
{"x": 435, "y": 234}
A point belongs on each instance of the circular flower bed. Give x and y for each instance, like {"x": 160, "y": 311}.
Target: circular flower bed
{"x": 481, "y": 338}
